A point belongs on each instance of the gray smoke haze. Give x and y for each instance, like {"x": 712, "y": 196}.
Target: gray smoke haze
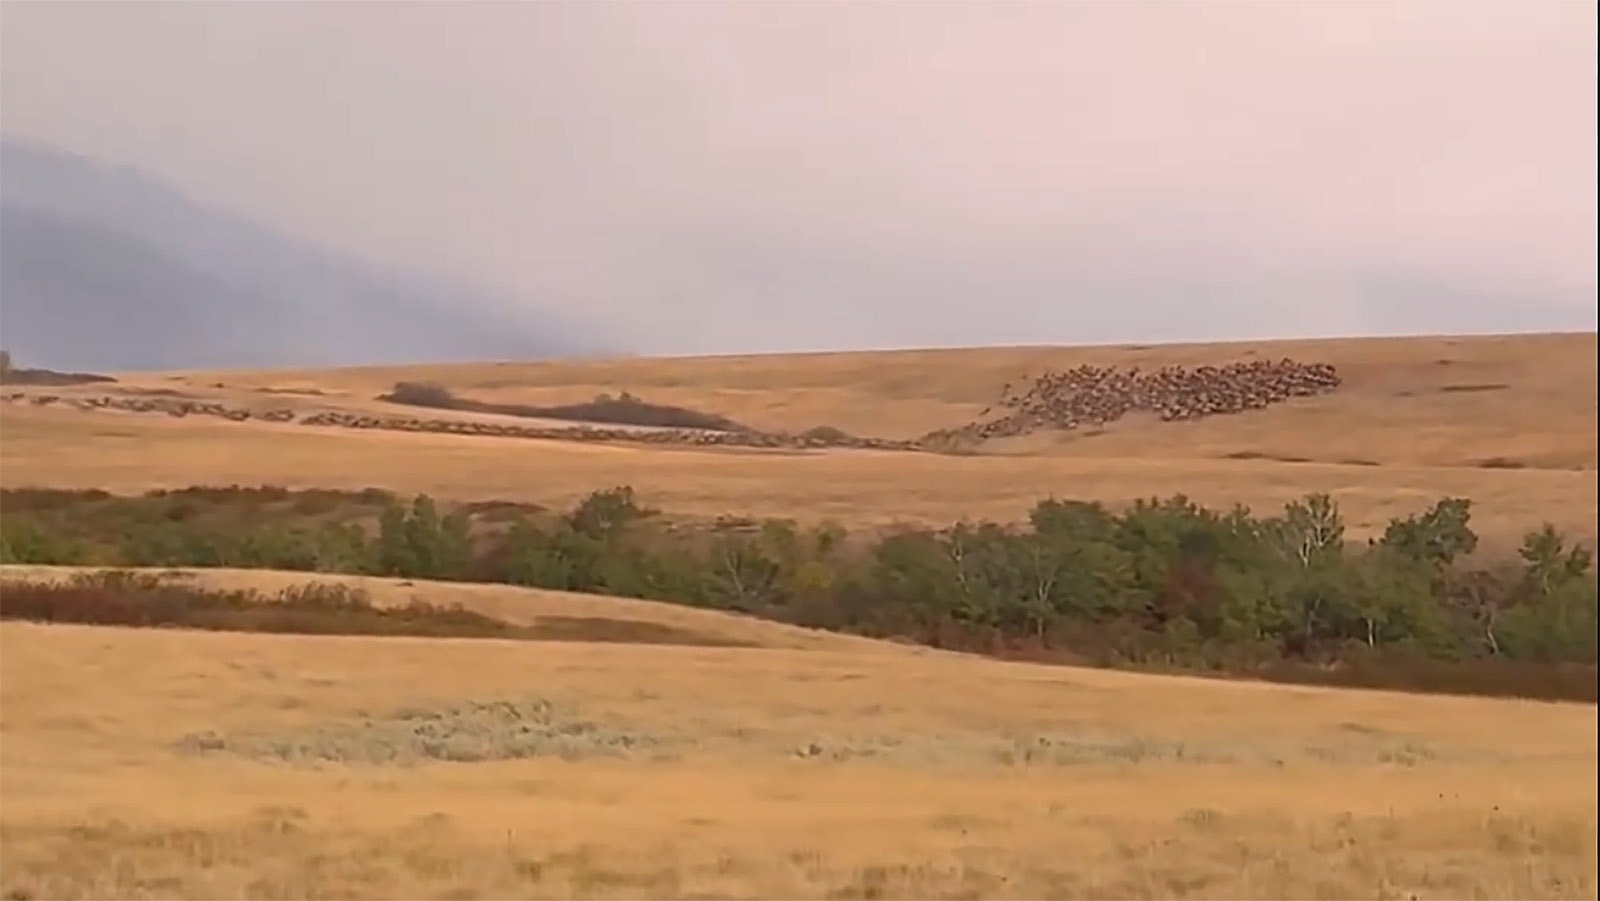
{"x": 770, "y": 176}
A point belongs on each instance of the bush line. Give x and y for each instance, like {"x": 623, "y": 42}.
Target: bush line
{"x": 624, "y": 409}
{"x": 143, "y": 600}
{"x": 1165, "y": 583}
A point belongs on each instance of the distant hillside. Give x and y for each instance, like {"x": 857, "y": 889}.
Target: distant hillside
{"x": 105, "y": 268}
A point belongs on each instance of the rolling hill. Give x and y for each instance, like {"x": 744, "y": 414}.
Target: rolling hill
{"x": 753, "y": 759}
{"x": 217, "y": 764}
{"x": 1505, "y": 420}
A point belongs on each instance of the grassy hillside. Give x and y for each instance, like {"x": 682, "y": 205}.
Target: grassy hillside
{"x": 228, "y": 765}
{"x": 1405, "y": 401}
{"x": 1507, "y": 421}
{"x": 729, "y": 757}
{"x": 605, "y": 618}
{"x": 862, "y": 489}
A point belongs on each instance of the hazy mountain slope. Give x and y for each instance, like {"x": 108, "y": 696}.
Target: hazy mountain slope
{"x": 107, "y": 268}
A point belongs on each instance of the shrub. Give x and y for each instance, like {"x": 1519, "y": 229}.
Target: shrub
{"x": 146, "y": 601}
{"x": 1163, "y": 583}
{"x": 622, "y": 410}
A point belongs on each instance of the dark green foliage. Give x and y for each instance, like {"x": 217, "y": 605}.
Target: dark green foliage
{"x": 420, "y": 543}
{"x": 603, "y": 515}
{"x": 624, "y": 409}
{"x": 1164, "y": 583}
{"x": 23, "y": 541}
{"x": 267, "y": 528}
{"x": 1436, "y": 537}
{"x": 1550, "y": 614}
{"x": 12, "y": 375}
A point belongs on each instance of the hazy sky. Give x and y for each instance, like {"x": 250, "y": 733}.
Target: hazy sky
{"x": 748, "y": 175}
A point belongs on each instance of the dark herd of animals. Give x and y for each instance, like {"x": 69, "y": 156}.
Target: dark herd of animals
{"x": 1083, "y": 396}
{"x": 181, "y": 407}
{"x": 1096, "y": 395}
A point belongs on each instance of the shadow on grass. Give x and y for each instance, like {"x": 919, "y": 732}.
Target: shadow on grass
{"x": 140, "y": 600}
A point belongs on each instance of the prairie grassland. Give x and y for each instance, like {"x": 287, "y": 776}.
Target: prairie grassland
{"x": 1507, "y": 421}
{"x": 1406, "y": 401}
{"x": 861, "y": 489}
{"x": 178, "y": 764}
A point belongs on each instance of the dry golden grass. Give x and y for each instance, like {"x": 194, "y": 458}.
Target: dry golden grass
{"x": 809, "y": 765}
{"x": 1413, "y": 401}
{"x": 131, "y": 453}
{"x": 1403, "y": 431}
{"x": 839, "y": 769}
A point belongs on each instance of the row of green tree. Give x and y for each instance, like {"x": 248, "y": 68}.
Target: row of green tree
{"x": 1163, "y": 580}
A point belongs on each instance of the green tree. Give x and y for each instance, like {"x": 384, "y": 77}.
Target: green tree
{"x": 420, "y": 543}
{"x": 1548, "y": 563}
{"x": 1252, "y": 608}
{"x": 603, "y": 515}
{"x": 1552, "y": 613}
{"x": 780, "y": 566}
{"x": 919, "y": 575}
{"x": 23, "y": 541}
{"x": 343, "y": 548}
{"x": 744, "y": 574}
{"x": 1310, "y": 531}
{"x": 1437, "y": 536}
{"x": 1387, "y": 598}
{"x": 535, "y": 558}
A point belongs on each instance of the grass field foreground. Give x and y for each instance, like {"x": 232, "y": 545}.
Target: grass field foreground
{"x": 182, "y": 764}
